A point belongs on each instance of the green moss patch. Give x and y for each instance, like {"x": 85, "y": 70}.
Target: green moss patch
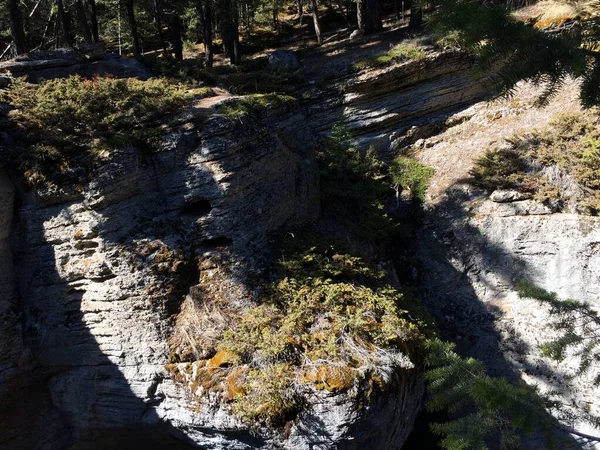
{"x": 405, "y": 51}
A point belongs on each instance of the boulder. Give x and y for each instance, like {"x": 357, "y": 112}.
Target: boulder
{"x": 89, "y": 60}
{"x": 284, "y": 59}
{"x": 355, "y": 35}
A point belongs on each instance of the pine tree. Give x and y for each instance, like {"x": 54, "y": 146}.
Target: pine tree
{"x": 517, "y": 51}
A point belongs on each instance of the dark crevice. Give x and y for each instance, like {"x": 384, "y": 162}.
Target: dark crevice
{"x": 217, "y": 242}
{"x": 197, "y": 208}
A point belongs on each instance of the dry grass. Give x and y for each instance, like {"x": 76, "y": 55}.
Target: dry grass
{"x": 198, "y": 329}
{"x": 549, "y": 12}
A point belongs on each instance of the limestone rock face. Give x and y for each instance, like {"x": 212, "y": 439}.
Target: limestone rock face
{"x": 475, "y": 246}
{"x": 379, "y": 106}
{"x": 100, "y": 273}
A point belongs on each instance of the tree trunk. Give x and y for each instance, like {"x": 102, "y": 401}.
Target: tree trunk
{"x": 87, "y": 34}
{"x": 360, "y": 15}
{"x": 176, "y": 36}
{"x": 275, "y": 15}
{"x": 372, "y": 17}
{"x": 16, "y": 26}
{"x": 416, "y": 17}
{"x": 62, "y": 16}
{"x": 158, "y": 11}
{"x": 205, "y": 19}
{"x": 315, "y": 10}
{"x": 94, "y": 21}
{"x": 137, "y": 51}
{"x": 230, "y": 30}
{"x": 300, "y": 11}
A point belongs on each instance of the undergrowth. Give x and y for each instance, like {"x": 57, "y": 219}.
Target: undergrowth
{"x": 69, "y": 123}
{"x": 571, "y": 144}
{"x": 405, "y": 51}
{"x": 328, "y": 319}
{"x": 253, "y": 105}
{"x": 251, "y": 76}
{"x": 411, "y": 175}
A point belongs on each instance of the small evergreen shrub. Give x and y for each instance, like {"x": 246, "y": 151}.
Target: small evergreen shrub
{"x": 253, "y": 105}
{"x": 329, "y": 319}
{"x": 412, "y": 175}
{"x": 498, "y": 169}
{"x": 354, "y": 187}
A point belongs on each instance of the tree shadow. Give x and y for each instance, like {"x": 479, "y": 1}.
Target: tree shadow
{"x": 463, "y": 278}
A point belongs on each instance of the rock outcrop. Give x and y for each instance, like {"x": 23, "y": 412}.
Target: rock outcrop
{"x": 100, "y": 274}
{"x": 380, "y": 106}
{"x": 475, "y": 246}
{"x": 86, "y": 61}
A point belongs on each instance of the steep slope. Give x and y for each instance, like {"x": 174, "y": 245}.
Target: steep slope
{"x": 474, "y": 247}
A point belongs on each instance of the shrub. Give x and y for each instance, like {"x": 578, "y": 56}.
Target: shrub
{"x": 252, "y": 105}
{"x": 498, "y": 169}
{"x": 410, "y": 174}
{"x": 70, "y": 121}
{"x": 354, "y": 187}
{"x": 328, "y": 319}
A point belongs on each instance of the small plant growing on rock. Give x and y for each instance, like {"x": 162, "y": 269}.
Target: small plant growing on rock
{"x": 498, "y": 169}
{"x": 412, "y": 175}
{"x": 253, "y": 105}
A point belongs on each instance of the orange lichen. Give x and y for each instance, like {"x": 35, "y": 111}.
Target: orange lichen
{"x": 332, "y": 379}
{"x": 223, "y": 358}
{"x": 234, "y": 383}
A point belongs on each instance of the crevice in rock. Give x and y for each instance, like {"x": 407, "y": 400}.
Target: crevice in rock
{"x": 197, "y": 208}
{"x": 217, "y": 243}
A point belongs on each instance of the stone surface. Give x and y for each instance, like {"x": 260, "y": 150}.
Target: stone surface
{"x": 379, "y": 106}
{"x": 61, "y": 63}
{"x": 99, "y": 275}
{"x": 473, "y": 249}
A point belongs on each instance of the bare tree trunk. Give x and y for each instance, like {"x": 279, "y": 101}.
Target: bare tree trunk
{"x": 176, "y": 35}
{"x": 87, "y": 34}
{"x": 300, "y": 11}
{"x": 372, "y": 17}
{"x": 16, "y": 26}
{"x": 158, "y": 23}
{"x": 94, "y": 21}
{"x": 317, "y": 24}
{"x": 205, "y": 19}
{"x": 62, "y": 15}
{"x": 360, "y": 14}
{"x": 230, "y": 30}
{"x": 137, "y": 51}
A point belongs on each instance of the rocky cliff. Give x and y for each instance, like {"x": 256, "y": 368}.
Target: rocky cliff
{"x": 475, "y": 246}
{"x": 94, "y": 281}
{"x": 100, "y": 275}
